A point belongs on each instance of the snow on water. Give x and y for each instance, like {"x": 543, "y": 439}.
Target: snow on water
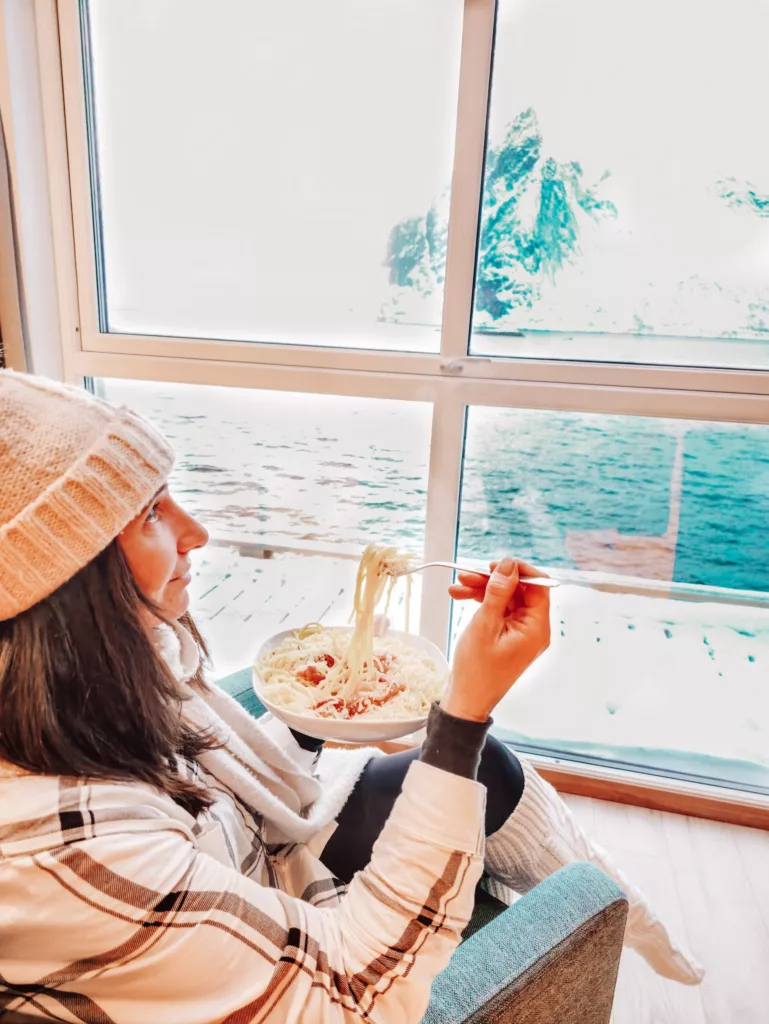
{"x": 652, "y": 682}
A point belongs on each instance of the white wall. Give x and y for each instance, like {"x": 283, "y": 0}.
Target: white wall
{"x": 22, "y": 113}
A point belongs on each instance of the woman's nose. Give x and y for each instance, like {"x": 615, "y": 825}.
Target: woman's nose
{"x": 194, "y": 536}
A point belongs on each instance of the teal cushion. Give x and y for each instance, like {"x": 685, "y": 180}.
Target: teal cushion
{"x": 239, "y": 685}
{"x": 551, "y": 957}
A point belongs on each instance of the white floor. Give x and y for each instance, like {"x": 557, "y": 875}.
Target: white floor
{"x": 709, "y": 882}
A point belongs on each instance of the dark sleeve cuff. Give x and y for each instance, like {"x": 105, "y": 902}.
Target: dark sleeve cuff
{"x": 454, "y": 744}
{"x": 307, "y": 742}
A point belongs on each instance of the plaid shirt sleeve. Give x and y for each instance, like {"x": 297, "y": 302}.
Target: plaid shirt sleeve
{"x": 154, "y": 930}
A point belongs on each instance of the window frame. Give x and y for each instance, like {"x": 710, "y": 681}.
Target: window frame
{"x": 475, "y": 81}
{"x": 452, "y": 379}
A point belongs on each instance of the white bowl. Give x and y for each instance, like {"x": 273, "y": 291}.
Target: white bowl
{"x": 341, "y": 730}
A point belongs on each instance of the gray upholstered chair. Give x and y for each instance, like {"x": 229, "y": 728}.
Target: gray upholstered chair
{"x": 551, "y": 958}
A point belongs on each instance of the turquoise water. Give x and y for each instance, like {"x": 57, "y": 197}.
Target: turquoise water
{"x": 534, "y": 478}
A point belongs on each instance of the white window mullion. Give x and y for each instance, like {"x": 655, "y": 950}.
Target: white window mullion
{"x": 449, "y": 411}
{"x": 467, "y": 179}
{"x": 443, "y": 487}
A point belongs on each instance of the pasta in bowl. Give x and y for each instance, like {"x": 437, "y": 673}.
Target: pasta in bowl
{"x": 347, "y": 684}
{"x": 409, "y": 661}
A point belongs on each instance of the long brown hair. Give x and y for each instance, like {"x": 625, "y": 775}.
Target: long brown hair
{"x": 84, "y": 693}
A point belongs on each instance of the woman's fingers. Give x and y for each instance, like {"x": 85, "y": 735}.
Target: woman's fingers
{"x": 461, "y": 593}
{"x": 531, "y": 570}
{"x": 533, "y": 597}
{"x": 472, "y": 586}
{"x": 472, "y": 579}
{"x": 468, "y": 578}
{"x": 500, "y": 590}
{"x": 475, "y": 579}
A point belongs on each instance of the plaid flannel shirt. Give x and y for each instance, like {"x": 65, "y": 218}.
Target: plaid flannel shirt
{"x": 112, "y": 911}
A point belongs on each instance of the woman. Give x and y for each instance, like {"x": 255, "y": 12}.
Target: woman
{"x": 163, "y": 857}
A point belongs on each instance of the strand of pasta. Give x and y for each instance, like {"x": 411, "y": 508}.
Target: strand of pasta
{"x": 353, "y": 669}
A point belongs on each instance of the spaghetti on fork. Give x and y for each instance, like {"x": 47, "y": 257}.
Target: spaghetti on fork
{"x": 334, "y": 673}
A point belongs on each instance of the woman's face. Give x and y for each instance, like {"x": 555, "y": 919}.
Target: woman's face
{"x": 157, "y": 545}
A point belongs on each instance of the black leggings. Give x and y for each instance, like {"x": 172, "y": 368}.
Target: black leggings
{"x": 368, "y": 806}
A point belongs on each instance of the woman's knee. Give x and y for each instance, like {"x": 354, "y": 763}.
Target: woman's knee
{"x": 501, "y": 773}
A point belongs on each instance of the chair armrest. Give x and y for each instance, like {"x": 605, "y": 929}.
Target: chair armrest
{"x": 240, "y": 686}
{"x": 551, "y": 958}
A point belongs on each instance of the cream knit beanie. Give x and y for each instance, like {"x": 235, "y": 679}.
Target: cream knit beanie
{"x": 74, "y": 471}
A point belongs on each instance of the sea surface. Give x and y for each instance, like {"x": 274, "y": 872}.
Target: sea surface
{"x": 642, "y": 497}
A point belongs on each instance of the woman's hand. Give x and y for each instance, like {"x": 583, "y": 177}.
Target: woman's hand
{"x": 507, "y": 633}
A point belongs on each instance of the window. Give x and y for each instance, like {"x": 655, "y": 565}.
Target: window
{"x": 658, "y": 527}
{"x": 626, "y": 191}
{"x": 543, "y": 295}
{"x": 256, "y": 182}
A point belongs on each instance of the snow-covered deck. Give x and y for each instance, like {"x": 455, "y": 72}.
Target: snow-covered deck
{"x": 648, "y": 681}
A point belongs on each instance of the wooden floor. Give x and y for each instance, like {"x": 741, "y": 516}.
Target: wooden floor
{"x": 710, "y": 884}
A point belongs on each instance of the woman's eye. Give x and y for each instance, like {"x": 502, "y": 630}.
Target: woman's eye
{"x": 153, "y": 514}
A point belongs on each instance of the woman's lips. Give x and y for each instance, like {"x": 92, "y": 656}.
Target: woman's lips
{"x": 184, "y": 580}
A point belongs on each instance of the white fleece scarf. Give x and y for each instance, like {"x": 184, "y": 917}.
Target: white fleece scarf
{"x": 260, "y": 761}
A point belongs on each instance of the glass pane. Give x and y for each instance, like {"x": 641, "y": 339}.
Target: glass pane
{"x": 627, "y": 189}
{"x": 665, "y": 676}
{"x": 291, "y": 488}
{"x": 256, "y": 158}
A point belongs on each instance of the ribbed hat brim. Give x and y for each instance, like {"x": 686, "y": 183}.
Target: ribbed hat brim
{"x": 79, "y": 515}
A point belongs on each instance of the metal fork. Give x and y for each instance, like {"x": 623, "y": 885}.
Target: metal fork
{"x": 532, "y": 581}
